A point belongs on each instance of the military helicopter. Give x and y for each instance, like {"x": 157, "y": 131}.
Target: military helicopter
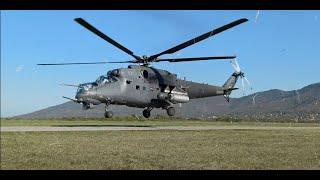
{"x": 144, "y": 86}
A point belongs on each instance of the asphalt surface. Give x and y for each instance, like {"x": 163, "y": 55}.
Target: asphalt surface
{"x": 143, "y": 128}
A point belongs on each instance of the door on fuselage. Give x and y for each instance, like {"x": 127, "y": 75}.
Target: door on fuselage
{"x": 137, "y": 93}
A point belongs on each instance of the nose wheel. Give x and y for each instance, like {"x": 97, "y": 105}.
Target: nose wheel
{"x": 107, "y": 114}
{"x": 146, "y": 113}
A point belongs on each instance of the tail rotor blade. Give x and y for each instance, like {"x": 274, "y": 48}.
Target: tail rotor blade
{"x": 248, "y": 82}
{"x": 240, "y": 74}
{"x": 242, "y": 82}
{"x": 235, "y": 65}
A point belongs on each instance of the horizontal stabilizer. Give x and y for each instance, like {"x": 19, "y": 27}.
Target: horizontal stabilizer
{"x": 230, "y": 89}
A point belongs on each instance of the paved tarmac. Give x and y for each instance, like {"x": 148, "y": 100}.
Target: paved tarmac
{"x": 144, "y": 128}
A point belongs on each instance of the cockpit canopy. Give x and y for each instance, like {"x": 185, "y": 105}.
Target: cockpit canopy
{"x": 102, "y": 80}
{"x": 114, "y": 73}
{"x": 84, "y": 87}
{"x": 110, "y": 77}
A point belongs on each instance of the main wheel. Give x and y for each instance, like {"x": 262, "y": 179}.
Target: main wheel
{"x": 108, "y": 114}
{"x": 171, "y": 111}
{"x": 146, "y": 113}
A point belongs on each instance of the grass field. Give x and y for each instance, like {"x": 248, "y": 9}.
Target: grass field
{"x": 161, "y": 149}
{"x": 143, "y": 121}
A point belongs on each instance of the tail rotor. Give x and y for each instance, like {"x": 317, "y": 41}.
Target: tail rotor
{"x": 240, "y": 74}
{"x": 235, "y": 65}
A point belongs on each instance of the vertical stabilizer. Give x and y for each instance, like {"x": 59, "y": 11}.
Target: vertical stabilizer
{"x": 228, "y": 86}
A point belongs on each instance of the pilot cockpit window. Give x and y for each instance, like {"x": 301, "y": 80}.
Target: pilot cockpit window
{"x": 114, "y": 73}
{"x": 102, "y": 80}
{"x": 106, "y": 79}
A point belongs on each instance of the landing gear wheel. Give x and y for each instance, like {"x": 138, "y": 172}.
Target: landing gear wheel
{"x": 146, "y": 113}
{"x": 108, "y": 114}
{"x": 171, "y": 111}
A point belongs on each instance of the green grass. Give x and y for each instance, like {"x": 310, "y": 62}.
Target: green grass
{"x": 143, "y": 121}
{"x": 163, "y": 149}
{"x": 113, "y": 121}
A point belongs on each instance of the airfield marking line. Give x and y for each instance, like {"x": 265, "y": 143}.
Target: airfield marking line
{"x": 181, "y": 128}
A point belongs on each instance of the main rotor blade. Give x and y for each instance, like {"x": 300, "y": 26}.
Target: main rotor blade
{"x": 72, "y": 85}
{"x": 58, "y": 64}
{"x": 105, "y": 37}
{"x": 196, "y": 59}
{"x": 123, "y": 62}
{"x": 199, "y": 38}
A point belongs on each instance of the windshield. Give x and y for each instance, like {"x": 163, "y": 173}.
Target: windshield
{"x": 105, "y": 79}
{"x": 84, "y": 87}
{"x": 102, "y": 80}
{"x": 80, "y": 90}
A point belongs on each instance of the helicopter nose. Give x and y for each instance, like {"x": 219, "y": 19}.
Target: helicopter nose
{"x": 84, "y": 93}
{"x": 87, "y": 96}
{"x": 81, "y": 95}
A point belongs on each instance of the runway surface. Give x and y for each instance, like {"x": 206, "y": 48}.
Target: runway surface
{"x": 143, "y": 128}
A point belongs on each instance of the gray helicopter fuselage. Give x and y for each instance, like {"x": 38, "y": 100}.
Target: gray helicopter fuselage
{"x": 143, "y": 86}
{"x": 147, "y": 87}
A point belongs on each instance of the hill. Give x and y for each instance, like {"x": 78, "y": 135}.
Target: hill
{"x": 301, "y": 105}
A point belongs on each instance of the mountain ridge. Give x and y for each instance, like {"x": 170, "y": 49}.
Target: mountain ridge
{"x": 300, "y": 104}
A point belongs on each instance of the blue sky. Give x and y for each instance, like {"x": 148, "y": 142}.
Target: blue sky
{"x": 276, "y": 49}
